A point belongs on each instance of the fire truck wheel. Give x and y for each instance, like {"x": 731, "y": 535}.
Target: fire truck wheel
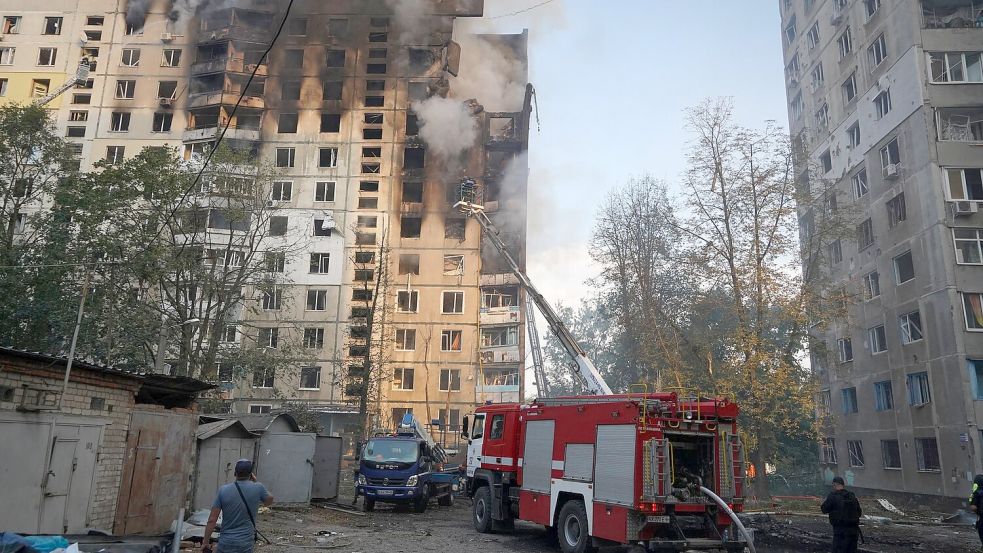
{"x": 420, "y": 505}
{"x": 368, "y": 505}
{"x": 572, "y": 528}
{"x": 482, "y": 510}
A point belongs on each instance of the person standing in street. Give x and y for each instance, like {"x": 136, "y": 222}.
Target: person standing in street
{"x": 976, "y": 505}
{"x": 238, "y": 503}
{"x": 844, "y": 513}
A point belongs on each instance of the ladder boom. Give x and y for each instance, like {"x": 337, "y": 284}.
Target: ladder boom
{"x": 81, "y": 74}
{"x": 592, "y": 377}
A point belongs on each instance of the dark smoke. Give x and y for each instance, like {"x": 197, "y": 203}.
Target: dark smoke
{"x": 136, "y": 12}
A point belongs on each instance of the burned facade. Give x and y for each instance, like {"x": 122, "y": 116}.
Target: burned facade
{"x": 387, "y": 278}
{"x": 885, "y": 98}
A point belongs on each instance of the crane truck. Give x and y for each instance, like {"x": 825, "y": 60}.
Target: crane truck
{"x": 652, "y": 470}
{"x": 405, "y": 467}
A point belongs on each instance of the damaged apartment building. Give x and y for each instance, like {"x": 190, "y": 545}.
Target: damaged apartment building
{"x": 365, "y": 187}
{"x": 886, "y": 97}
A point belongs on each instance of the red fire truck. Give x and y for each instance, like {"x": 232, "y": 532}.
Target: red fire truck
{"x": 655, "y": 471}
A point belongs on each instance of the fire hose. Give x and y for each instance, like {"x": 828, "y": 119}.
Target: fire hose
{"x": 737, "y": 522}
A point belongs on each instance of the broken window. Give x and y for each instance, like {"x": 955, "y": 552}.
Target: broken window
{"x": 338, "y": 27}
{"x": 172, "y": 58}
{"x": 275, "y": 262}
{"x": 365, "y": 257}
{"x": 297, "y": 26}
{"x": 365, "y": 221}
{"x": 120, "y": 122}
{"x": 877, "y": 338}
{"x": 853, "y": 135}
{"x": 272, "y": 300}
{"x": 278, "y": 226}
{"x": 372, "y": 134}
{"x": 845, "y": 43}
{"x": 405, "y": 339}
{"x": 452, "y": 302}
{"x": 378, "y": 53}
{"x": 872, "y": 285}
{"x": 368, "y": 203}
{"x": 409, "y": 264}
{"x": 499, "y": 336}
{"x": 317, "y": 300}
{"x": 131, "y": 57}
{"x": 372, "y": 168}
{"x": 407, "y": 301}
{"x": 11, "y": 24}
{"x": 125, "y": 89}
{"x": 856, "y": 450}
{"x": 282, "y": 191}
{"x": 293, "y": 58}
{"x": 335, "y": 58}
{"x": 114, "y": 154}
{"x": 826, "y": 161}
{"x": 412, "y": 192}
{"x": 310, "y": 378}
{"x": 324, "y": 191}
{"x": 371, "y": 152}
{"x": 865, "y": 234}
{"x": 287, "y": 124}
{"x": 418, "y": 91}
{"x": 162, "y": 122}
{"x": 495, "y": 298}
{"x": 361, "y": 294}
{"x": 454, "y": 229}
{"x": 896, "y": 210}
{"x": 320, "y": 263}
{"x": 835, "y": 251}
{"x": 332, "y": 90}
{"x": 323, "y": 226}
{"x": 167, "y": 89}
{"x": 882, "y": 103}
{"x": 73, "y": 132}
{"x": 290, "y": 90}
{"x": 52, "y": 26}
{"x": 375, "y": 101}
{"x": 911, "y": 327}
{"x": 375, "y": 68}
{"x": 450, "y": 380}
{"x": 450, "y": 340}
{"x": 331, "y": 122}
{"x": 904, "y": 268}
{"x": 919, "y": 392}
{"x": 402, "y": 380}
{"x": 410, "y": 227}
{"x": 368, "y": 186}
{"x": 46, "y": 56}
{"x": 327, "y": 157}
{"x": 412, "y": 124}
{"x": 375, "y": 86}
{"x": 365, "y": 238}
{"x": 378, "y": 37}
{"x": 414, "y": 158}
{"x": 453, "y": 265}
{"x": 364, "y": 275}
{"x": 849, "y": 87}
{"x": 845, "y": 346}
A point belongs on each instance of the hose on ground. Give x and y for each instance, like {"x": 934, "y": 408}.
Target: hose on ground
{"x": 737, "y": 522}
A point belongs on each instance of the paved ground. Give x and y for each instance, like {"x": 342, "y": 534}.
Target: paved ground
{"x": 312, "y": 529}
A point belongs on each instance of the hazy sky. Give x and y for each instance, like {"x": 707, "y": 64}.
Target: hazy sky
{"x": 613, "y": 78}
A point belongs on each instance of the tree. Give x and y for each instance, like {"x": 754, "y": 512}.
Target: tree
{"x": 592, "y": 325}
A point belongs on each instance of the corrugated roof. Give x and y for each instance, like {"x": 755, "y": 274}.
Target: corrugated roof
{"x": 210, "y": 429}
{"x": 256, "y": 422}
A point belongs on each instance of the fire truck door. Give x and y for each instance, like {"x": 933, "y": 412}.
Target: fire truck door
{"x": 475, "y": 442}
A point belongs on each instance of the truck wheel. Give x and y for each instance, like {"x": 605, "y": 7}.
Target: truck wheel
{"x": 420, "y": 504}
{"x": 368, "y": 505}
{"x": 482, "y": 510}
{"x": 446, "y": 500}
{"x": 572, "y": 528}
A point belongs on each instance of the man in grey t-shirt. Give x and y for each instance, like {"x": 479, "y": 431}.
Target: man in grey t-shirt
{"x": 238, "y": 503}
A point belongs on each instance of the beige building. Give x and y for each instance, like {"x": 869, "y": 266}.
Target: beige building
{"x": 359, "y": 189}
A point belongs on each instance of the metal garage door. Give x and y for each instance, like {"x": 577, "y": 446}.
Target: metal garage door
{"x": 285, "y": 465}
{"x": 327, "y": 467}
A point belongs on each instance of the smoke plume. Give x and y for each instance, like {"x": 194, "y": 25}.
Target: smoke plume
{"x": 491, "y": 73}
{"x": 448, "y": 127}
{"x": 412, "y": 19}
{"x": 136, "y": 12}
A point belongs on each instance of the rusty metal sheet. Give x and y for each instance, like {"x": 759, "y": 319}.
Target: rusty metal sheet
{"x": 154, "y": 484}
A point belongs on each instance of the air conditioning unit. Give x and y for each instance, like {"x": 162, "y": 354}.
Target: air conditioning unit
{"x": 892, "y": 171}
{"x": 166, "y": 102}
{"x": 272, "y": 203}
{"x": 964, "y": 209}
{"x": 166, "y": 37}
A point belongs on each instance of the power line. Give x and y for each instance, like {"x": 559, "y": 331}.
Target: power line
{"x": 524, "y": 10}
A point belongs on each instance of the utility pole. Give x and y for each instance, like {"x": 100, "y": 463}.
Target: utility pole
{"x": 75, "y": 337}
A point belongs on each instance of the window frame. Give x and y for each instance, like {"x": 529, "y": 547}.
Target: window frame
{"x": 310, "y": 367}
{"x": 443, "y": 302}
{"x": 947, "y": 179}
{"x": 449, "y": 334}
{"x": 848, "y": 401}
{"x": 408, "y": 342}
{"x": 910, "y": 327}
{"x": 923, "y": 396}
{"x": 877, "y": 338}
{"x": 922, "y": 462}
{"x": 871, "y": 285}
{"x": 844, "y": 348}
{"x": 855, "y": 450}
{"x": 882, "y": 104}
{"x": 320, "y": 298}
{"x": 412, "y": 301}
{"x": 129, "y": 52}
{"x": 885, "y": 450}
{"x": 860, "y": 180}
{"x": 53, "y": 56}
{"x": 313, "y": 337}
{"x": 897, "y": 272}
{"x": 966, "y": 298}
{"x": 125, "y": 86}
{"x": 883, "y": 396}
{"x": 402, "y": 371}
{"x": 453, "y": 377}
{"x": 877, "y": 51}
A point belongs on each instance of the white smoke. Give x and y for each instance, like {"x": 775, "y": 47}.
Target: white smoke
{"x": 412, "y": 20}
{"x": 491, "y": 73}
{"x": 447, "y": 126}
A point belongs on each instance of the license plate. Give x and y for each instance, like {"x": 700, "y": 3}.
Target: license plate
{"x": 658, "y": 519}
{"x": 390, "y": 492}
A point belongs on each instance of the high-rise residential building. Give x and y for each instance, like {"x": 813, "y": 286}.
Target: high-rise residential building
{"x": 886, "y": 98}
{"x": 359, "y": 189}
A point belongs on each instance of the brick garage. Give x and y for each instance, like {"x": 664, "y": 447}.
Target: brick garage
{"x": 97, "y": 398}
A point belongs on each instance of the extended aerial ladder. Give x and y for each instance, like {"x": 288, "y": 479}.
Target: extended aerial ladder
{"x": 410, "y": 426}
{"x": 538, "y": 368}
{"x": 81, "y": 74}
{"x": 593, "y": 381}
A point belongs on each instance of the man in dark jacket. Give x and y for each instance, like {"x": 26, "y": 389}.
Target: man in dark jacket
{"x": 844, "y": 513}
{"x": 976, "y": 505}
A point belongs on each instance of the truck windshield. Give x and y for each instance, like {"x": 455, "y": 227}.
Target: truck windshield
{"x": 392, "y": 451}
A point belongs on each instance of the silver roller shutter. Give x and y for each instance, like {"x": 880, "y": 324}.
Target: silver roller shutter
{"x": 578, "y": 462}
{"x": 614, "y": 472}
{"x": 537, "y": 461}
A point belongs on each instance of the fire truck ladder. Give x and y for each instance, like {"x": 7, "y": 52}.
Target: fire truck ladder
{"x": 539, "y": 370}
{"x": 81, "y": 74}
{"x": 593, "y": 381}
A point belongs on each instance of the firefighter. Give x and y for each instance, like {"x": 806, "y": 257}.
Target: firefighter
{"x": 844, "y": 513}
{"x": 976, "y": 505}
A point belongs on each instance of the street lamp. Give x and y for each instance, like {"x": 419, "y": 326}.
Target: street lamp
{"x": 162, "y": 344}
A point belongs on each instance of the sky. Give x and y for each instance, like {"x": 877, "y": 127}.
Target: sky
{"x": 613, "y": 78}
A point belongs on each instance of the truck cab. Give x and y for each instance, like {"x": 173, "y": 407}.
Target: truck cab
{"x": 395, "y": 469}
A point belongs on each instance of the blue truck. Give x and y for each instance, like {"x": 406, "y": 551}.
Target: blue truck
{"x": 406, "y": 467}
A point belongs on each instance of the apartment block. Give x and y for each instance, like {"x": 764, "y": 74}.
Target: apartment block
{"x": 886, "y": 97}
{"x": 359, "y": 191}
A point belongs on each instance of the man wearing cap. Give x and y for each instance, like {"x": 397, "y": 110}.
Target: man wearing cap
{"x": 844, "y": 513}
{"x": 238, "y": 503}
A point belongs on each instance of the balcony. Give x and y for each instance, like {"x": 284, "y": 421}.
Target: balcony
{"x": 208, "y": 133}
{"x": 235, "y": 32}
{"x": 224, "y": 97}
{"x": 230, "y": 65}
{"x": 952, "y": 14}
{"x": 960, "y": 124}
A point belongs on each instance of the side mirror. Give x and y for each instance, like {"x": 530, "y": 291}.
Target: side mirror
{"x": 465, "y": 427}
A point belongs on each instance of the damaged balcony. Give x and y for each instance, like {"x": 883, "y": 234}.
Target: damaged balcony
{"x": 207, "y": 123}
{"x": 960, "y": 124}
{"x": 224, "y": 89}
{"x": 503, "y": 127}
{"x": 227, "y": 57}
{"x": 952, "y": 14}
{"x": 236, "y": 24}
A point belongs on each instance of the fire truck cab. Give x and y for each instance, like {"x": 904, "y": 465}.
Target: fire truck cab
{"x": 613, "y": 469}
